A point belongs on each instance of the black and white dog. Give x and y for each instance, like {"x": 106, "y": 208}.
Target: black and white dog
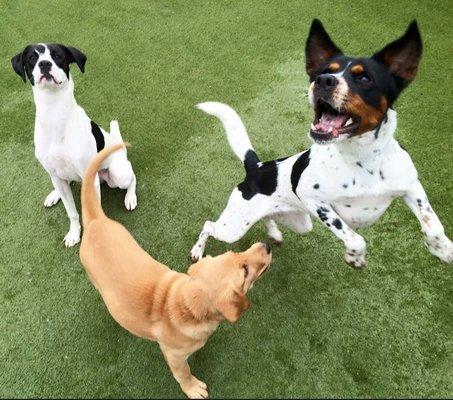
{"x": 354, "y": 169}
{"x": 66, "y": 139}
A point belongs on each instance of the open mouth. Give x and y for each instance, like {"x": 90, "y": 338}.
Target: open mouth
{"x": 330, "y": 123}
{"x": 49, "y": 77}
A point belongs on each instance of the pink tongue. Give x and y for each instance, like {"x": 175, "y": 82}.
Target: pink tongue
{"x": 328, "y": 121}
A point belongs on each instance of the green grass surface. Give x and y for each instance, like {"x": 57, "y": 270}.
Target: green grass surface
{"x": 316, "y": 327}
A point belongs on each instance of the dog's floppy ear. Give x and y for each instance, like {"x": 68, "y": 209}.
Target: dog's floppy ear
{"x": 77, "y": 56}
{"x": 403, "y": 55}
{"x": 232, "y": 306}
{"x": 319, "y": 47}
{"x": 19, "y": 65}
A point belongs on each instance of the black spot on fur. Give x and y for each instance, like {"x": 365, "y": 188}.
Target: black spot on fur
{"x": 359, "y": 164}
{"x": 353, "y": 181}
{"x": 298, "y": 168}
{"x": 262, "y": 179}
{"x": 381, "y": 174}
{"x": 98, "y": 136}
{"x": 251, "y": 160}
{"x": 323, "y": 213}
{"x": 337, "y": 223}
{"x": 316, "y": 186}
{"x": 371, "y": 172}
{"x": 345, "y": 185}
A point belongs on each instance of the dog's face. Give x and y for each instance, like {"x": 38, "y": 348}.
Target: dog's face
{"x": 351, "y": 96}
{"x": 47, "y": 65}
{"x": 228, "y": 277}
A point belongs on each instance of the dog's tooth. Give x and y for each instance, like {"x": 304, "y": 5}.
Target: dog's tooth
{"x": 330, "y": 129}
{"x": 349, "y": 122}
{"x": 313, "y": 127}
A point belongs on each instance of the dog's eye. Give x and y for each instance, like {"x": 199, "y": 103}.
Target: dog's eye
{"x": 364, "y": 77}
{"x": 246, "y": 270}
{"x": 57, "y": 57}
{"x": 32, "y": 58}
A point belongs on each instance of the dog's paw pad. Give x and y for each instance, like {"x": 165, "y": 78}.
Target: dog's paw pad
{"x": 52, "y": 198}
{"x": 72, "y": 238}
{"x": 130, "y": 201}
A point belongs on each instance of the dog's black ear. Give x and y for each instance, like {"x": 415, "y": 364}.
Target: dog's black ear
{"x": 18, "y": 65}
{"x": 319, "y": 47}
{"x": 403, "y": 55}
{"x": 77, "y": 56}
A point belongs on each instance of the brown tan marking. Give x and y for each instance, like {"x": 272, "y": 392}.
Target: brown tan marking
{"x": 357, "y": 69}
{"x": 370, "y": 116}
{"x": 334, "y": 67}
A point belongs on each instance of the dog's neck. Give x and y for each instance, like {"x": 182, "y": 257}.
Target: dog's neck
{"x": 51, "y": 102}
{"x": 368, "y": 147}
{"x": 197, "y": 303}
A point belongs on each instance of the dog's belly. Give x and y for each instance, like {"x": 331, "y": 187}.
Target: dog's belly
{"x": 362, "y": 212}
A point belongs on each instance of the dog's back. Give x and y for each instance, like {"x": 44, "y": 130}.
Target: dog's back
{"x": 123, "y": 273}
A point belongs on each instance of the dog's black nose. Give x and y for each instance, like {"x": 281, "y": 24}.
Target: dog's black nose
{"x": 326, "y": 81}
{"x": 267, "y": 246}
{"x": 45, "y": 65}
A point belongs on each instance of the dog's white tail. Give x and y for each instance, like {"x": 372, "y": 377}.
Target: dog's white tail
{"x": 235, "y": 130}
{"x": 115, "y": 131}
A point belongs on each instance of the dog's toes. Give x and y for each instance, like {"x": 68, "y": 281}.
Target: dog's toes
{"x": 356, "y": 261}
{"x": 275, "y": 242}
{"x": 52, "y": 198}
{"x": 441, "y": 247}
{"x": 130, "y": 201}
{"x": 72, "y": 238}
{"x": 197, "y": 390}
{"x": 196, "y": 253}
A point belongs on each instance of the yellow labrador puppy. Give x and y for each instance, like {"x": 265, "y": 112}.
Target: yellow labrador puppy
{"x": 179, "y": 311}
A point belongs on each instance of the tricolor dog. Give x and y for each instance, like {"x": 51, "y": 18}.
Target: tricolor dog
{"x": 66, "y": 139}
{"x": 354, "y": 169}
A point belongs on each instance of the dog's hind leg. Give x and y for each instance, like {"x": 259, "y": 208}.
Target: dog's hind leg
{"x": 234, "y": 222}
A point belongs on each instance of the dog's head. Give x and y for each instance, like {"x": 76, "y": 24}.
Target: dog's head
{"x": 228, "y": 277}
{"x": 351, "y": 96}
{"x": 47, "y": 65}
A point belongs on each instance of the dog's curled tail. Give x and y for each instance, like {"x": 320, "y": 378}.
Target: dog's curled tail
{"x": 235, "y": 130}
{"x": 91, "y": 206}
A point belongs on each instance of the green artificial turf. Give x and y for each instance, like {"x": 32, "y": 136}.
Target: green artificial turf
{"x": 316, "y": 328}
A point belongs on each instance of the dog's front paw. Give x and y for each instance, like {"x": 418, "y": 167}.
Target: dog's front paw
{"x": 441, "y": 247}
{"x": 196, "y": 389}
{"x": 130, "y": 201}
{"x": 52, "y": 198}
{"x": 354, "y": 259}
{"x": 196, "y": 253}
{"x": 72, "y": 238}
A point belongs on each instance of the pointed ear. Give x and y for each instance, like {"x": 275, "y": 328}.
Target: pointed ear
{"x": 18, "y": 65}
{"x": 403, "y": 55}
{"x": 233, "y": 306}
{"x": 319, "y": 47}
{"x": 78, "y": 57}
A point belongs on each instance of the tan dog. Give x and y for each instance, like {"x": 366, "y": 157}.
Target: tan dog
{"x": 179, "y": 311}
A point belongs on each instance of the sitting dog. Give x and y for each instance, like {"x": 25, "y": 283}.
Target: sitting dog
{"x": 354, "y": 169}
{"x": 65, "y": 137}
{"x": 179, "y": 311}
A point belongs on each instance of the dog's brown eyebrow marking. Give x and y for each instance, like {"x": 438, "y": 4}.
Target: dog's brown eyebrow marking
{"x": 334, "y": 66}
{"x": 357, "y": 69}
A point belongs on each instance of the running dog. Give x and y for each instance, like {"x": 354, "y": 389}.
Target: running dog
{"x": 354, "y": 169}
{"x": 66, "y": 139}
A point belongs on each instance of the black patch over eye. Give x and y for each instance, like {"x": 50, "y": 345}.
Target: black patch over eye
{"x": 33, "y": 58}
{"x": 246, "y": 270}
